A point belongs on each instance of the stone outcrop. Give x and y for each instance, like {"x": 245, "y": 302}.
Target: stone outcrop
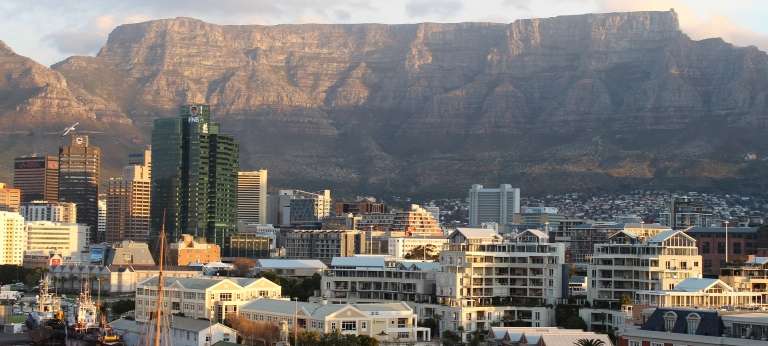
{"x": 572, "y": 102}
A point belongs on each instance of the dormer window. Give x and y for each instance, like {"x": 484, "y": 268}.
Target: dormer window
{"x": 693, "y": 320}
{"x": 669, "y": 320}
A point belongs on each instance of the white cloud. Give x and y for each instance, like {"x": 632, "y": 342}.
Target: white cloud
{"x": 442, "y": 9}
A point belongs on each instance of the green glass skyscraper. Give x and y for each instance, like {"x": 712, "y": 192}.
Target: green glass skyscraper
{"x": 194, "y": 177}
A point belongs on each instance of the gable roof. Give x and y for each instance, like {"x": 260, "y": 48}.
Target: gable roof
{"x": 199, "y": 283}
{"x": 699, "y": 285}
{"x": 191, "y": 324}
{"x": 476, "y": 233}
{"x": 291, "y": 264}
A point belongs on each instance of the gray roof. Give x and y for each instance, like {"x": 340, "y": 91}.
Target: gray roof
{"x": 291, "y": 264}
{"x": 359, "y": 261}
{"x": 122, "y": 324}
{"x": 474, "y": 233}
{"x": 316, "y": 310}
{"x": 758, "y": 260}
{"x": 191, "y": 324}
{"x": 197, "y": 283}
{"x": 694, "y": 284}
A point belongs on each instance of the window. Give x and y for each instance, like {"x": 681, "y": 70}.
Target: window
{"x": 634, "y": 343}
{"x": 348, "y": 325}
{"x": 720, "y": 247}
{"x": 737, "y": 248}
{"x": 225, "y": 297}
{"x": 693, "y": 321}
{"x": 669, "y": 321}
{"x": 333, "y": 326}
{"x": 705, "y": 247}
{"x": 363, "y": 325}
{"x": 657, "y": 344}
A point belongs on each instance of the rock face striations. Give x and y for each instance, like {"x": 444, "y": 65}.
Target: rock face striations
{"x": 572, "y": 102}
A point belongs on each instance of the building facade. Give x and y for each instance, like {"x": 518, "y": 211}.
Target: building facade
{"x": 296, "y": 206}
{"x": 65, "y": 239}
{"x": 194, "y": 176}
{"x": 687, "y": 212}
{"x": 496, "y": 205}
{"x": 252, "y": 196}
{"x": 391, "y": 322}
{"x": 399, "y": 247}
{"x": 10, "y": 198}
{"x": 629, "y": 263}
{"x": 13, "y": 238}
{"x": 714, "y": 247}
{"x": 189, "y": 250}
{"x": 319, "y": 244}
{"x": 79, "y": 174}
{"x": 37, "y": 176}
{"x": 128, "y": 204}
{"x": 209, "y": 298}
{"x": 416, "y": 221}
{"x": 63, "y": 212}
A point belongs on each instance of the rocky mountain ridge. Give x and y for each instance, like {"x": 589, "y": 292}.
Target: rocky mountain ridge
{"x": 595, "y": 101}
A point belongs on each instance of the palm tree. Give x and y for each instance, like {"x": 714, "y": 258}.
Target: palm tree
{"x": 589, "y": 342}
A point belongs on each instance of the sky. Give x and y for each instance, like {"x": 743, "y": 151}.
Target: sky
{"x": 48, "y": 31}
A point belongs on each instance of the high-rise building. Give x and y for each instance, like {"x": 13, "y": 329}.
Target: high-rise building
{"x": 64, "y": 212}
{"x": 298, "y": 206}
{"x": 10, "y": 198}
{"x": 687, "y": 212}
{"x": 493, "y": 205}
{"x": 417, "y": 221}
{"x": 128, "y": 202}
{"x": 65, "y": 239}
{"x": 194, "y": 177}
{"x": 13, "y": 239}
{"x": 252, "y": 196}
{"x": 79, "y": 174}
{"x": 102, "y": 221}
{"x": 37, "y": 176}
{"x": 142, "y": 158}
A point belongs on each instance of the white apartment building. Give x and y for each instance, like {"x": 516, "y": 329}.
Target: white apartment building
{"x": 484, "y": 279}
{"x": 13, "y": 238}
{"x": 632, "y": 262}
{"x": 391, "y": 322}
{"x": 65, "y": 239}
{"x": 63, "y": 212}
{"x": 211, "y": 298}
{"x": 102, "y": 218}
{"x": 416, "y": 221}
{"x": 498, "y": 205}
{"x": 398, "y": 247}
{"x": 252, "y": 197}
{"x": 366, "y": 279}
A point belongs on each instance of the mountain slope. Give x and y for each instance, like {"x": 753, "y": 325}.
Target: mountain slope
{"x": 596, "y": 101}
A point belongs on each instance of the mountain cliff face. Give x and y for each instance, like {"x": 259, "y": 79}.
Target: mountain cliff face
{"x": 595, "y": 101}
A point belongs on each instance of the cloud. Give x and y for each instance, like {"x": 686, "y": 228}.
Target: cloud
{"x": 433, "y": 8}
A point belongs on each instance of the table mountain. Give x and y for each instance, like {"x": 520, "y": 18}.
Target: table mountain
{"x": 595, "y": 101}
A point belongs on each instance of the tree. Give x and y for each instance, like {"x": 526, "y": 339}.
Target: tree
{"x": 589, "y": 342}
{"x": 122, "y": 306}
{"x": 450, "y": 338}
{"x": 575, "y": 322}
{"x": 431, "y": 324}
{"x": 254, "y": 332}
{"x": 428, "y": 252}
{"x": 243, "y": 266}
{"x": 626, "y": 300}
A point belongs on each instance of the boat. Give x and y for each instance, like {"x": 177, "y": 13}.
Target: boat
{"x": 83, "y": 320}
{"x": 46, "y": 321}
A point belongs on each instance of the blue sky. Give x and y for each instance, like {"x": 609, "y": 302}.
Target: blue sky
{"x": 51, "y": 30}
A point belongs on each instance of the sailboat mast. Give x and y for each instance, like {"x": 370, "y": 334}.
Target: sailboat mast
{"x": 160, "y": 284}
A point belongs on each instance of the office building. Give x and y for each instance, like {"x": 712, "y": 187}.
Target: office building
{"x": 63, "y": 212}
{"x": 632, "y": 262}
{"x": 320, "y": 244}
{"x": 296, "y": 206}
{"x": 79, "y": 174}
{"x": 13, "y": 238}
{"x": 128, "y": 204}
{"x": 394, "y": 323}
{"x": 10, "y": 198}
{"x": 252, "y": 196}
{"x": 741, "y": 242}
{"x": 37, "y": 176}
{"x": 251, "y": 245}
{"x": 210, "y": 298}
{"x": 365, "y": 205}
{"x": 65, "y": 239}
{"x": 189, "y": 250}
{"x": 417, "y": 222}
{"x": 687, "y": 212}
{"x": 493, "y": 205}
{"x": 142, "y": 158}
{"x": 194, "y": 177}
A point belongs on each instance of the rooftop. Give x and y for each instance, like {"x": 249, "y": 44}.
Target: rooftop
{"x": 290, "y": 264}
